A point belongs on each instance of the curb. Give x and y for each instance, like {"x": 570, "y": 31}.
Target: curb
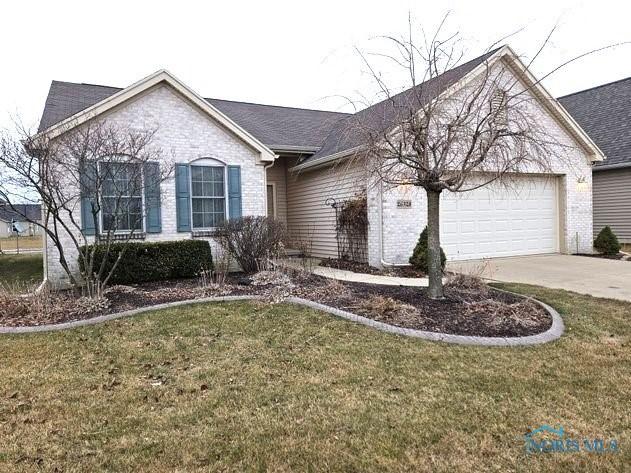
{"x": 119, "y": 315}
{"x": 554, "y": 332}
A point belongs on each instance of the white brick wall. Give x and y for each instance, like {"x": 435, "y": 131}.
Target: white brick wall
{"x": 402, "y": 227}
{"x": 184, "y": 134}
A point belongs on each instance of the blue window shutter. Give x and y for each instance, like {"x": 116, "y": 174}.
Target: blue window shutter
{"x": 182, "y": 198}
{"x": 234, "y": 192}
{"x": 88, "y": 180}
{"x": 152, "y": 197}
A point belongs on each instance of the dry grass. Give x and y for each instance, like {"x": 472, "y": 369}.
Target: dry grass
{"x": 331, "y": 289}
{"x": 234, "y": 387}
{"x": 385, "y": 306}
{"x": 460, "y": 282}
{"x": 21, "y": 305}
{"x": 525, "y": 313}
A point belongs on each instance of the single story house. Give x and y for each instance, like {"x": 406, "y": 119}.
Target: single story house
{"x": 604, "y": 112}
{"x": 24, "y": 215}
{"x": 284, "y": 162}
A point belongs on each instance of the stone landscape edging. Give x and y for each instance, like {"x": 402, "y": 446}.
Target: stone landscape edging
{"x": 554, "y": 332}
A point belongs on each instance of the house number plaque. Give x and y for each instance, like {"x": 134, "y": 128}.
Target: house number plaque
{"x": 404, "y": 204}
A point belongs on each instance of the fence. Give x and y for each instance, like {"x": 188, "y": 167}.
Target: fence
{"x": 21, "y": 244}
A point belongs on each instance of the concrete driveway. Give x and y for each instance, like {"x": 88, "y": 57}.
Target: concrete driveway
{"x": 595, "y": 276}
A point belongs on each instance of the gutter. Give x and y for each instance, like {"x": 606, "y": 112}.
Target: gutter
{"x": 294, "y": 149}
{"x": 325, "y": 160}
{"x": 606, "y": 167}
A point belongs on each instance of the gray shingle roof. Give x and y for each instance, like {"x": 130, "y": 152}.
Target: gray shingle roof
{"x": 273, "y": 125}
{"x": 32, "y": 211}
{"x": 67, "y": 98}
{"x": 281, "y": 126}
{"x": 382, "y": 116}
{"x": 604, "y": 112}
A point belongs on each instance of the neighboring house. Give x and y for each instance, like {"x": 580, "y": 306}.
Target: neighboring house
{"x": 281, "y": 161}
{"x": 604, "y": 112}
{"x": 8, "y": 217}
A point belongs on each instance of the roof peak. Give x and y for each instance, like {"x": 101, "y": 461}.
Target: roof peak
{"x": 594, "y": 87}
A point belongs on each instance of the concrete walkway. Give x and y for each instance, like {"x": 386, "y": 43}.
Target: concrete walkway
{"x": 344, "y": 275}
{"x": 598, "y": 277}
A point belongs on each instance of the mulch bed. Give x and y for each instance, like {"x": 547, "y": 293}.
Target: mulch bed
{"x": 480, "y": 311}
{"x": 491, "y": 313}
{"x": 364, "y": 268}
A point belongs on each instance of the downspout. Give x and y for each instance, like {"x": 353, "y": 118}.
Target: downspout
{"x": 44, "y": 283}
{"x": 381, "y": 234}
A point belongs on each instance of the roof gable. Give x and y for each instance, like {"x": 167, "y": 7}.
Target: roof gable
{"x": 382, "y": 116}
{"x": 279, "y": 128}
{"x": 122, "y": 95}
{"x": 321, "y": 134}
{"x": 604, "y": 112}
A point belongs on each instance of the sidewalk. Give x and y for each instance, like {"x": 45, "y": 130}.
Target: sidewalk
{"x": 344, "y": 275}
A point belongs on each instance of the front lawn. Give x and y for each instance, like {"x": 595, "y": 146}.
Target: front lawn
{"x": 21, "y": 268}
{"x": 252, "y": 386}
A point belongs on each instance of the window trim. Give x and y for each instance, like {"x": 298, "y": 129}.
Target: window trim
{"x": 143, "y": 213}
{"x": 204, "y": 163}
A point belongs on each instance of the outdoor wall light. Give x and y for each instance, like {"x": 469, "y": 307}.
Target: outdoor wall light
{"x": 581, "y": 184}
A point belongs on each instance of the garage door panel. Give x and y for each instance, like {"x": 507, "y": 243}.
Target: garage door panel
{"x": 495, "y": 221}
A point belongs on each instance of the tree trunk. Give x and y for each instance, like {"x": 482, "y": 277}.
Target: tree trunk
{"x": 433, "y": 245}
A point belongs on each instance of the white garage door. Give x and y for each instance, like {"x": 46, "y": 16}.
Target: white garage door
{"x": 494, "y": 221}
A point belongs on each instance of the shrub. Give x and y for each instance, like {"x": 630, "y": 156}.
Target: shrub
{"x": 606, "y": 242}
{"x": 467, "y": 283}
{"x": 384, "y": 307}
{"x": 251, "y": 241}
{"x": 154, "y": 261}
{"x": 44, "y": 306}
{"x": 419, "y": 256}
{"x": 352, "y": 227}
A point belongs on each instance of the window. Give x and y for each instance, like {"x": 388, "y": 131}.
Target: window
{"x": 208, "y": 196}
{"x": 271, "y": 200}
{"x": 121, "y": 196}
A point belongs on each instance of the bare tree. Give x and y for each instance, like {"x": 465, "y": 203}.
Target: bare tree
{"x": 438, "y": 137}
{"x": 96, "y": 184}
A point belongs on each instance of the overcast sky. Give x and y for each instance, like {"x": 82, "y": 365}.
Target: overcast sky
{"x": 285, "y": 53}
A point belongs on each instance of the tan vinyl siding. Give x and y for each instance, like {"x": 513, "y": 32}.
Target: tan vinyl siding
{"x": 612, "y": 202}
{"x": 307, "y": 213}
{"x": 276, "y": 175}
